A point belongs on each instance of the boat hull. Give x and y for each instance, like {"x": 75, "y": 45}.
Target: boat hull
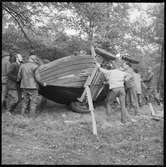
{"x": 63, "y": 80}
{"x": 66, "y": 95}
{"x": 59, "y": 94}
{"x": 71, "y": 71}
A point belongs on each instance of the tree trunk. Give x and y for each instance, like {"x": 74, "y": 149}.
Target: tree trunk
{"x": 90, "y": 34}
{"x": 161, "y": 68}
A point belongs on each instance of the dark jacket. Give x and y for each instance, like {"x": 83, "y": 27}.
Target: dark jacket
{"x": 12, "y": 76}
{"x": 26, "y": 75}
{"x": 131, "y": 82}
{"x": 149, "y": 80}
{"x": 5, "y": 68}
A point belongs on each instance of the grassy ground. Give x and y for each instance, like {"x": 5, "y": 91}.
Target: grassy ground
{"x": 59, "y": 136}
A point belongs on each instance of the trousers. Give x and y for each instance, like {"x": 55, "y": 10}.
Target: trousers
{"x": 113, "y": 93}
{"x": 131, "y": 98}
{"x": 12, "y": 100}
{"x": 4, "y": 93}
{"x": 29, "y": 101}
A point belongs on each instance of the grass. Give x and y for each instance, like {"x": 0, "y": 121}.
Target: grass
{"x": 59, "y": 136}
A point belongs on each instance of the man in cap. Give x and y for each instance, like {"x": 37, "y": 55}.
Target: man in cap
{"x": 29, "y": 86}
{"x": 12, "y": 84}
{"x": 5, "y": 67}
{"x": 116, "y": 79}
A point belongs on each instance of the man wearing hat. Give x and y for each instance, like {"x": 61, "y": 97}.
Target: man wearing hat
{"x": 12, "y": 84}
{"x": 5, "y": 67}
{"x": 116, "y": 79}
{"x": 29, "y": 86}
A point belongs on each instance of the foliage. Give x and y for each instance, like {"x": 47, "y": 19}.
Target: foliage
{"x": 42, "y": 25}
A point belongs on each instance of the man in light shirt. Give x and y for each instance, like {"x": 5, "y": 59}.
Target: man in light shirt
{"x": 116, "y": 79}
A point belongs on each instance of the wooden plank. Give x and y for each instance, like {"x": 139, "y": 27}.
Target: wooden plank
{"x": 76, "y": 72}
{"x": 93, "y": 52}
{"x": 94, "y": 78}
{"x": 97, "y": 85}
{"x": 68, "y": 80}
{"x": 44, "y": 69}
{"x": 94, "y": 87}
{"x": 91, "y": 108}
{"x": 88, "y": 82}
{"x": 67, "y": 59}
{"x": 99, "y": 91}
{"x": 90, "y": 78}
{"x": 72, "y": 84}
{"x": 54, "y": 78}
{"x": 151, "y": 108}
{"x": 74, "y": 68}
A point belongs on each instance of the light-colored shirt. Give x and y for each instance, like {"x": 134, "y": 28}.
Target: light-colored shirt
{"x": 115, "y": 77}
{"x": 137, "y": 79}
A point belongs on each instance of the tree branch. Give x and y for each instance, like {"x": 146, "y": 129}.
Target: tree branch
{"x": 22, "y": 30}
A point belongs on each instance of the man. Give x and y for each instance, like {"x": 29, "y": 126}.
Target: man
{"x": 12, "y": 84}
{"x": 116, "y": 79}
{"x": 28, "y": 85}
{"x": 5, "y": 67}
{"x": 137, "y": 78}
{"x": 131, "y": 95}
{"x": 149, "y": 83}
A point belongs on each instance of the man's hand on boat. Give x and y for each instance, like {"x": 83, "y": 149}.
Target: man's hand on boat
{"x": 44, "y": 84}
{"x": 98, "y": 65}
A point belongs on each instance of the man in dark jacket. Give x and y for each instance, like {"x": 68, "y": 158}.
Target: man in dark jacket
{"x": 5, "y": 68}
{"x": 131, "y": 95}
{"x": 28, "y": 85}
{"x": 12, "y": 84}
{"x": 148, "y": 81}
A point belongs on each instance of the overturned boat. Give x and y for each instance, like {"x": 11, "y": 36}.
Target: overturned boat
{"x": 63, "y": 80}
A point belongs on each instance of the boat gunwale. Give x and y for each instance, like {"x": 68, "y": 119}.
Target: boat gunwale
{"x": 53, "y": 68}
{"x": 66, "y": 72}
{"x": 64, "y": 59}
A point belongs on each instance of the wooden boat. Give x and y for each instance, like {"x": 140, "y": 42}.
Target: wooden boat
{"x": 64, "y": 78}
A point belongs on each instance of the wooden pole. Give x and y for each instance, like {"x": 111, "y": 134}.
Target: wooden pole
{"x": 91, "y": 108}
{"x": 151, "y": 108}
{"x": 161, "y": 67}
{"x": 87, "y": 92}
